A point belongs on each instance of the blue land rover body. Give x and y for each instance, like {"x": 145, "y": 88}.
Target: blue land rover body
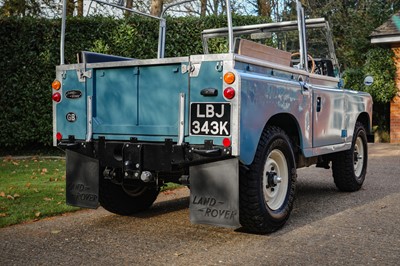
{"x": 233, "y": 126}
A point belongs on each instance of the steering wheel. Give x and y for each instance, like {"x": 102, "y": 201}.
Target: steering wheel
{"x": 309, "y": 57}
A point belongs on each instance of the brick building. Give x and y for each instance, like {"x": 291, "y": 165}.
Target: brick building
{"x": 388, "y": 34}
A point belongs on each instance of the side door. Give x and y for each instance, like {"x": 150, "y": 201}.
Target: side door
{"x": 328, "y": 111}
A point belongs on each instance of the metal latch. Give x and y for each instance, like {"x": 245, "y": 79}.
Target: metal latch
{"x": 82, "y": 74}
{"x": 194, "y": 69}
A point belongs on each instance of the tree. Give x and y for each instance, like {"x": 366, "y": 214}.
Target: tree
{"x": 129, "y": 4}
{"x": 20, "y": 8}
{"x": 156, "y": 7}
{"x": 264, "y": 8}
{"x": 352, "y": 22}
{"x": 203, "y": 8}
{"x": 70, "y": 8}
{"x": 80, "y": 8}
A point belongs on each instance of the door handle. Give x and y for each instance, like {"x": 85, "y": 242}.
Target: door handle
{"x": 318, "y": 104}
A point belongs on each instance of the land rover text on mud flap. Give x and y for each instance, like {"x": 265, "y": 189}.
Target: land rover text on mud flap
{"x": 233, "y": 126}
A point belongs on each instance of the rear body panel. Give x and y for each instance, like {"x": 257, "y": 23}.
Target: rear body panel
{"x": 76, "y": 106}
{"x": 265, "y": 92}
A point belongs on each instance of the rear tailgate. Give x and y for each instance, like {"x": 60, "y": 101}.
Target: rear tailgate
{"x": 124, "y": 100}
{"x": 141, "y": 100}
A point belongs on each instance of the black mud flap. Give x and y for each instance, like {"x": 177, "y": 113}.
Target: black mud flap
{"x": 82, "y": 180}
{"x": 214, "y": 193}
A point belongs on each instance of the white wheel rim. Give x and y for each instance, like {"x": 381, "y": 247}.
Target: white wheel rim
{"x": 358, "y": 156}
{"x": 275, "y": 196}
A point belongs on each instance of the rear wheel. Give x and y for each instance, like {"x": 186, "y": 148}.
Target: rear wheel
{"x": 126, "y": 199}
{"x": 350, "y": 167}
{"x": 267, "y": 189}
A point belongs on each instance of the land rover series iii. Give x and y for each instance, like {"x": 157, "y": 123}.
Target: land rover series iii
{"x": 233, "y": 127}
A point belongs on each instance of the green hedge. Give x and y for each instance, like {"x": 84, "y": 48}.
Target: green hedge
{"x": 379, "y": 64}
{"x": 29, "y": 52}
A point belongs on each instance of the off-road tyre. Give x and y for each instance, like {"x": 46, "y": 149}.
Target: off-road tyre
{"x": 350, "y": 167}
{"x": 263, "y": 210}
{"x": 114, "y": 198}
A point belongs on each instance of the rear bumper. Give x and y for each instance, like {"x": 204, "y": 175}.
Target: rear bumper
{"x": 135, "y": 157}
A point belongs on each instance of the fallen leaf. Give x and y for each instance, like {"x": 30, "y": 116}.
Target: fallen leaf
{"x": 55, "y": 231}
{"x": 59, "y": 203}
{"x": 48, "y": 199}
{"x": 168, "y": 192}
{"x": 36, "y": 190}
{"x": 28, "y": 185}
{"x": 10, "y": 197}
{"x": 37, "y": 214}
{"x": 15, "y": 163}
{"x": 44, "y": 171}
{"x": 16, "y": 195}
{"x": 3, "y": 214}
{"x": 2, "y": 194}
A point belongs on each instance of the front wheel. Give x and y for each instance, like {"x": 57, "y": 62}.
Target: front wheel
{"x": 350, "y": 167}
{"x": 267, "y": 189}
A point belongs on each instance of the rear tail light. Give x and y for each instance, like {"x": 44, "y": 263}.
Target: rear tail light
{"x": 229, "y": 77}
{"x": 229, "y": 93}
{"x": 56, "y": 85}
{"x": 226, "y": 142}
{"x": 56, "y": 97}
{"x": 58, "y": 136}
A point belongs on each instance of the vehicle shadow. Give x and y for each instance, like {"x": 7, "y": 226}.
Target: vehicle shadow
{"x": 317, "y": 196}
{"x": 164, "y": 207}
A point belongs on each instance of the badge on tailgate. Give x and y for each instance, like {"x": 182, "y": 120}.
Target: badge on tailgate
{"x": 210, "y": 119}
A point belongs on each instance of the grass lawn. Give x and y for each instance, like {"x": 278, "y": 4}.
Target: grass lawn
{"x": 34, "y": 188}
{"x": 31, "y": 189}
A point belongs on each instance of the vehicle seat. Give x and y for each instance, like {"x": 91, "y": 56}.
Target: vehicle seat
{"x": 263, "y": 52}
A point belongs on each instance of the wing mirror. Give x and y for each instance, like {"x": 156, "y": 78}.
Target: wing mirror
{"x": 368, "y": 80}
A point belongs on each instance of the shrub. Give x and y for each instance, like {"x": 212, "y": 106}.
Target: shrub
{"x": 29, "y": 52}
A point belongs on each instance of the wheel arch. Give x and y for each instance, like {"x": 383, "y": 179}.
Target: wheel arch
{"x": 290, "y": 125}
{"x": 251, "y": 139}
{"x": 365, "y": 119}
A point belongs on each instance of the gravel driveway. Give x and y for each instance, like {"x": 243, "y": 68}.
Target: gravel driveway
{"x": 326, "y": 227}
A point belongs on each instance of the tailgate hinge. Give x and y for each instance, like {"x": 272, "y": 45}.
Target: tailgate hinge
{"x": 83, "y": 74}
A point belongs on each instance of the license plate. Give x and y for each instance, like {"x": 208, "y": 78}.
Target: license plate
{"x": 210, "y": 119}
